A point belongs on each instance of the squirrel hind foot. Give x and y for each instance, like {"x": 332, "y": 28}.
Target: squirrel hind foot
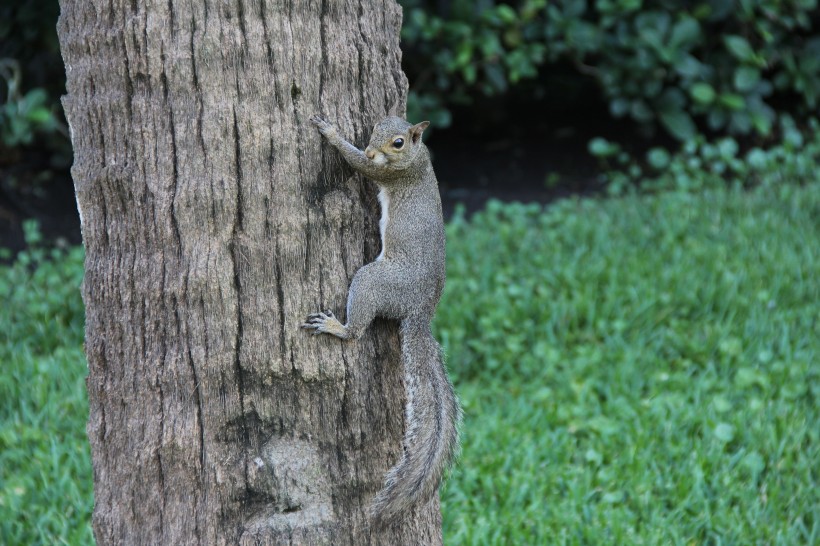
{"x": 325, "y": 323}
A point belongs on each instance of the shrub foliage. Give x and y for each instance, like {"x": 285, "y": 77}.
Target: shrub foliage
{"x": 31, "y": 72}
{"x": 685, "y": 66}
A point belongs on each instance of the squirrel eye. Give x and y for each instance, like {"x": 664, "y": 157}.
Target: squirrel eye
{"x": 398, "y": 143}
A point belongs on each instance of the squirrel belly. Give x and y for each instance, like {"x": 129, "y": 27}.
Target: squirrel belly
{"x": 405, "y": 282}
{"x": 384, "y": 202}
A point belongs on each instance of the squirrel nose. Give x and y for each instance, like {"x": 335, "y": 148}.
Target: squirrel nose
{"x": 370, "y": 152}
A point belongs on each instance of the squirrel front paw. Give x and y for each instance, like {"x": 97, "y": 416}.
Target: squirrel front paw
{"x": 325, "y": 127}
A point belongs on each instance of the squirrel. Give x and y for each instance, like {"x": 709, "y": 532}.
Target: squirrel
{"x": 405, "y": 282}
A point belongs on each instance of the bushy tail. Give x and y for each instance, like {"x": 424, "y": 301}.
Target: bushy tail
{"x": 432, "y": 418}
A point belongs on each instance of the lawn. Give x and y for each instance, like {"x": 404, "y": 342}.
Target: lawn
{"x": 643, "y": 370}
{"x": 640, "y": 370}
{"x": 45, "y": 465}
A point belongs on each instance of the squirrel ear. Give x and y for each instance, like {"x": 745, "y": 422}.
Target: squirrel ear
{"x": 417, "y": 129}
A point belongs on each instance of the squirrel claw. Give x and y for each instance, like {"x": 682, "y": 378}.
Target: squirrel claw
{"x": 324, "y": 323}
{"x": 324, "y": 126}
{"x": 316, "y": 320}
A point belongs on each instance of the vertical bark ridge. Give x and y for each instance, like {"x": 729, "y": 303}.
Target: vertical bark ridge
{"x": 236, "y": 256}
{"x": 280, "y": 293}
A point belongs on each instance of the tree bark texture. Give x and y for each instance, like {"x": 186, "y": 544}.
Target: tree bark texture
{"x": 214, "y": 220}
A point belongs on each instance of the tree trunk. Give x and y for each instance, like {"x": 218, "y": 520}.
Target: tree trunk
{"x": 214, "y": 221}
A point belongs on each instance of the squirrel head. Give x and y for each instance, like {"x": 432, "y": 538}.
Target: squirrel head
{"x": 395, "y": 143}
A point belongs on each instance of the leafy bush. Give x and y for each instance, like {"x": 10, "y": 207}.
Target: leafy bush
{"x": 668, "y": 62}
{"x": 31, "y": 70}
{"x": 702, "y": 164}
{"x": 23, "y": 115}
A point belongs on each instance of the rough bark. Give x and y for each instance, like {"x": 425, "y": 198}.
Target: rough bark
{"x": 214, "y": 221}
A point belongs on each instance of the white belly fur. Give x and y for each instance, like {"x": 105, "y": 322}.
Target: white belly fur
{"x": 384, "y": 201}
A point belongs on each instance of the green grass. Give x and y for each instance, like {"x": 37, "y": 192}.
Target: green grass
{"x": 45, "y": 466}
{"x": 642, "y": 370}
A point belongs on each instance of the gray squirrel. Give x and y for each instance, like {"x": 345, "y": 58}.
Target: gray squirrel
{"x": 404, "y": 283}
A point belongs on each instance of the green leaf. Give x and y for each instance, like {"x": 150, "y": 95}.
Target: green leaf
{"x": 658, "y": 158}
{"x": 740, "y": 122}
{"x": 685, "y": 33}
{"x": 739, "y": 47}
{"x": 762, "y": 123}
{"x": 702, "y": 93}
{"x": 35, "y": 97}
{"x": 39, "y": 115}
{"x": 756, "y": 158}
{"x": 678, "y": 123}
{"x": 688, "y": 66}
{"x": 469, "y": 73}
{"x": 651, "y": 36}
{"x": 619, "y": 106}
{"x": 640, "y": 111}
{"x": 464, "y": 54}
{"x": 506, "y": 13}
{"x": 601, "y": 147}
{"x": 593, "y": 457}
{"x": 490, "y": 44}
{"x": 721, "y": 404}
{"x": 573, "y": 9}
{"x": 613, "y": 497}
{"x": 748, "y": 377}
{"x": 728, "y": 148}
{"x": 583, "y": 36}
{"x": 651, "y": 25}
{"x": 724, "y": 432}
{"x": 746, "y": 78}
{"x": 732, "y": 101}
{"x": 731, "y": 346}
{"x": 754, "y": 463}
{"x": 810, "y": 56}
{"x": 512, "y": 39}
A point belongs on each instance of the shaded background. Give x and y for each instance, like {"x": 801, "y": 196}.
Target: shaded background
{"x": 529, "y": 100}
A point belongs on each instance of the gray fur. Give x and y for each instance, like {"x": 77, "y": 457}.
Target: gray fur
{"x": 405, "y": 283}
